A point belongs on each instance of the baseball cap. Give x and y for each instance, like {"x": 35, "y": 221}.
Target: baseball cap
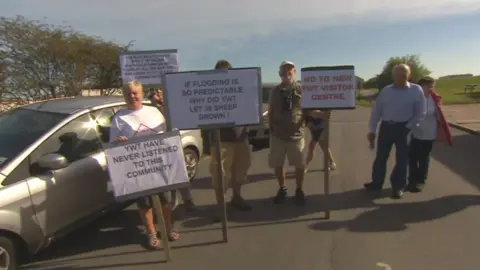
{"x": 285, "y": 63}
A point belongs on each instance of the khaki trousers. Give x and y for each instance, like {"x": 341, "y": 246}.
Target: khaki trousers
{"x": 235, "y": 160}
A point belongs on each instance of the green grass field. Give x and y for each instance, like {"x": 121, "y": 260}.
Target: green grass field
{"x": 452, "y": 91}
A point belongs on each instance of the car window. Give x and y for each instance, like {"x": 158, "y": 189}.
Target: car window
{"x": 103, "y": 119}
{"x": 21, "y": 172}
{"x": 118, "y": 108}
{"x": 20, "y": 127}
{"x": 75, "y": 140}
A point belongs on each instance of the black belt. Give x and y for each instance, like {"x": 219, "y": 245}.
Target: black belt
{"x": 394, "y": 123}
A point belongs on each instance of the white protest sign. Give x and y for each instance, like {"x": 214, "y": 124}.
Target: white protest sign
{"x": 146, "y": 165}
{"x": 148, "y": 66}
{"x": 328, "y": 87}
{"x": 216, "y": 97}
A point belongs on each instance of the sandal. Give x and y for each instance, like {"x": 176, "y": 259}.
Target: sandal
{"x": 173, "y": 236}
{"x": 333, "y": 166}
{"x": 153, "y": 241}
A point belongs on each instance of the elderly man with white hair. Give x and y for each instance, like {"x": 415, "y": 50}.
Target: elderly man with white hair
{"x": 400, "y": 107}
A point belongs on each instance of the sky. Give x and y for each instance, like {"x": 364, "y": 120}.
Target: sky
{"x": 263, "y": 33}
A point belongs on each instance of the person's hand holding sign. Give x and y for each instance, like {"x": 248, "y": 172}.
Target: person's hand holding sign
{"x": 320, "y": 114}
{"x": 327, "y": 114}
{"x": 122, "y": 139}
{"x": 159, "y": 96}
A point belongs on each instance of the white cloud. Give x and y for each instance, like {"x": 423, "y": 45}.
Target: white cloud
{"x": 192, "y": 23}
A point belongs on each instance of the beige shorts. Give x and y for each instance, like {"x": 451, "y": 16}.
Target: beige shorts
{"x": 235, "y": 160}
{"x": 290, "y": 150}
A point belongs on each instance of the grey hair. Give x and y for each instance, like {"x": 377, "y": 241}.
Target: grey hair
{"x": 401, "y": 67}
{"x": 132, "y": 85}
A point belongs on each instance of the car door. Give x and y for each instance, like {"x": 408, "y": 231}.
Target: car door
{"x": 67, "y": 195}
{"x": 103, "y": 121}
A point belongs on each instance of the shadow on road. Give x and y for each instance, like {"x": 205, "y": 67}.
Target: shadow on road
{"x": 66, "y": 265}
{"x": 69, "y": 263}
{"x": 265, "y": 211}
{"x": 396, "y": 216}
{"x": 206, "y": 182}
{"x": 463, "y": 158}
{"x": 121, "y": 229}
{"x": 113, "y": 230}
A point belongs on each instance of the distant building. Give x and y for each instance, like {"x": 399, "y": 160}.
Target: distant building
{"x": 100, "y": 92}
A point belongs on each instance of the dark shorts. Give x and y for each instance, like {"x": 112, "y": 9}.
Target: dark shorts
{"x": 316, "y": 133}
{"x": 146, "y": 202}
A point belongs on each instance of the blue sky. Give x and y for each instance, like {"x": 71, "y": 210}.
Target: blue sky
{"x": 263, "y": 33}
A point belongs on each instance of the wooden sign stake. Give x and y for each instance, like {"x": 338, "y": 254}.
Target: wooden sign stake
{"x": 221, "y": 185}
{"x": 157, "y": 206}
{"x": 326, "y": 166}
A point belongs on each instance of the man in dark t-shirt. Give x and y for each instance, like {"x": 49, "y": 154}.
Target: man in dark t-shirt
{"x": 235, "y": 158}
{"x": 156, "y": 98}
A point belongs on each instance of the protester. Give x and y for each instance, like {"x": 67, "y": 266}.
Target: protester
{"x": 235, "y": 158}
{"x": 205, "y": 142}
{"x": 139, "y": 120}
{"x": 433, "y": 127}
{"x": 156, "y": 98}
{"x": 400, "y": 107}
{"x": 316, "y": 126}
{"x": 287, "y": 124}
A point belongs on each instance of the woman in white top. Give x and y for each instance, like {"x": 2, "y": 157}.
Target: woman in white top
{"x": 139, "y": 120}
{"x": 423, "y": 137}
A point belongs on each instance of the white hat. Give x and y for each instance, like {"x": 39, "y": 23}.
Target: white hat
{"x": 285, "y": 63}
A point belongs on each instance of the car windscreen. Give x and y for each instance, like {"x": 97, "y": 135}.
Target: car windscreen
{"x": 19, "y": 128}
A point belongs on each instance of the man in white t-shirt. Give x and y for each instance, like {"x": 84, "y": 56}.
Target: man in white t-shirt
{"x": 139, "y": 120}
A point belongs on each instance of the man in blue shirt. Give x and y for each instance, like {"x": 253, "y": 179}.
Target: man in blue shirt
{"x": 400, "y": 107}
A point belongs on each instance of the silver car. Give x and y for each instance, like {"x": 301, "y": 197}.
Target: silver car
{"x": 53, "y": 176}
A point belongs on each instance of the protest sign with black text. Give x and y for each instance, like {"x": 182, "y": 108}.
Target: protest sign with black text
{"x": 214, "y": 97}
{"x": 328, "y": 87}
{"x": 147, "y": 67}
{"x": 146, "y": 165}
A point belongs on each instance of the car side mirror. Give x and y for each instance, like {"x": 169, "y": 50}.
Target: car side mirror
{"x": 52, "y": 162}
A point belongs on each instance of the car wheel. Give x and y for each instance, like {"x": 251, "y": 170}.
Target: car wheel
{"x": 191, "y": 162}
{"x": 8, "y": 254}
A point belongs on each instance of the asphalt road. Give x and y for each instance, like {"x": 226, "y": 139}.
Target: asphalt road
{"x": 436, "y": 229}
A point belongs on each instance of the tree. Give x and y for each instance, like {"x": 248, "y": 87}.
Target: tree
{"x": 3, "y": 77}
{"x": 42, "y": 61}
{"x": 107, "y": 70}
{"x": 360, "y": 82}
{"x": 418, "y": 69}
{"x": 371, "y": 83}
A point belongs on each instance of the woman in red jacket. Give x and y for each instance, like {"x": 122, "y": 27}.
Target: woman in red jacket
{"x": 433, "y": 128}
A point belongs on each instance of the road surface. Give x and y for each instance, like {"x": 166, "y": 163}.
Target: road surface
{"x": 436, "y": 229}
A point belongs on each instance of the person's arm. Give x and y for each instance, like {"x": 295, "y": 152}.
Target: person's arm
{"x": 377, "y": 108}
{"x": 161, "y": 108}
{"x": 319, "y": 114}
{"x": 419, "y": 112}
{"x": 271, "y": 109}
{"x": 114, "y": 131}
